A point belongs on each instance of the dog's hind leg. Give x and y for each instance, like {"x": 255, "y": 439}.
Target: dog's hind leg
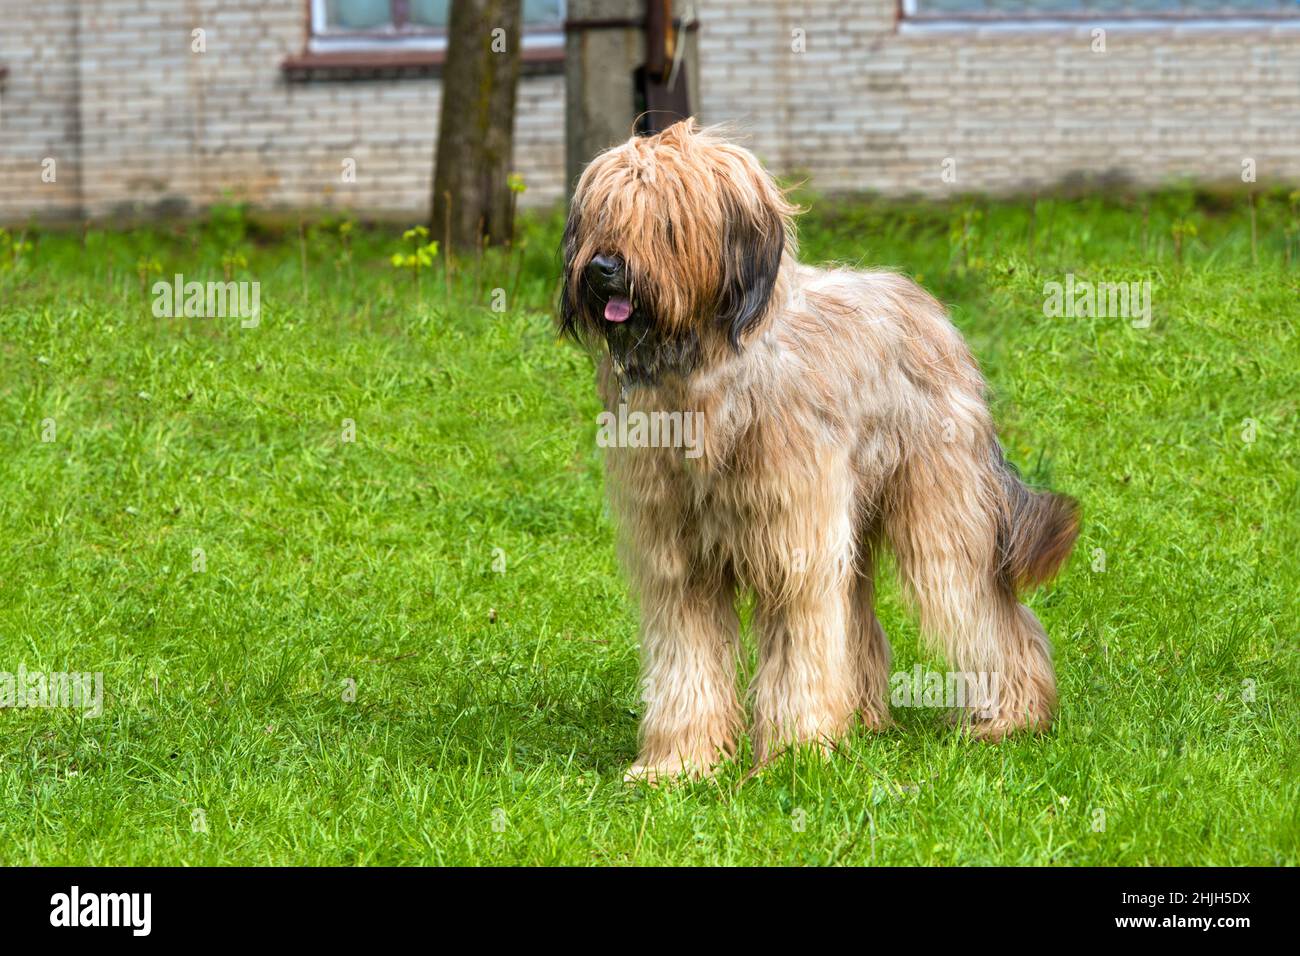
{"x": 942, "y": 521}
{"x": 870, "y": 644}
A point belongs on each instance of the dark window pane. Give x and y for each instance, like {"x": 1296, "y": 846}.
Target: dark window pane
{"x": 422, "y": 16}
{"x": 544, "y": 12}
{"x": 434, "y": 13}
{"x": 430, "y": 13}
{"x": 358, "y": 14}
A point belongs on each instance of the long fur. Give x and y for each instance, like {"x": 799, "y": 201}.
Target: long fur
{"x": 842, "y": 412}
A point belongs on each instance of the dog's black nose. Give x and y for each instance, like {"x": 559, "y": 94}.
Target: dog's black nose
{"x": 605, "y": 273}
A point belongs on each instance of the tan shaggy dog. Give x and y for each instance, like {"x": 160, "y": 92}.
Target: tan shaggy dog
{"x": 838, "y": 410}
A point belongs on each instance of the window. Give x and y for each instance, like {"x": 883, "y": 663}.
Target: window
{"x": 1099, "y": 9}
{"x": 349, "y": 25}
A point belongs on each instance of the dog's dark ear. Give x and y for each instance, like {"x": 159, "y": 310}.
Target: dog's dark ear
{"x": 751, "y": 258}
{"x": 567, "y": 314}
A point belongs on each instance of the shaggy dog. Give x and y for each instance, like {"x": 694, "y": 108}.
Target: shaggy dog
{"x": 838, "y": 410}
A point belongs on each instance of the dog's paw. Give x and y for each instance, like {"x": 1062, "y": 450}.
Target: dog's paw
{"x": 655, "y": 773}
{"x": 876, "y": 719}
{"x": 996, "y": 729}
{"x": 640, "y": 773}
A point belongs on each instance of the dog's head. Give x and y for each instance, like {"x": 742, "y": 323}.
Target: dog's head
{"x": 672, "y": 250}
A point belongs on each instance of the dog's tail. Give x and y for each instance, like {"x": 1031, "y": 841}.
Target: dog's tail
{"x": 1036, "y": 530}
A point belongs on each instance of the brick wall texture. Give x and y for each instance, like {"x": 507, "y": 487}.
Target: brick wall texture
{"x": 137, "y": 123}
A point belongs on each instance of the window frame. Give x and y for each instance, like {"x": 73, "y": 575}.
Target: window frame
{"x": 908, "y": 14}
{"x": 320, "y": 39}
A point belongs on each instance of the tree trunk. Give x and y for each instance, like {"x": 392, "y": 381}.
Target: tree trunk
{"x": 471, "y": 198}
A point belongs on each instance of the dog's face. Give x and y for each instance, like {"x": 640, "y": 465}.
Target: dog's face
{"x": 672, "y": 249}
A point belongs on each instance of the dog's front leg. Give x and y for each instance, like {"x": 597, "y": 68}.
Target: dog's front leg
{"x": 692, "y": 714}
{"x": 804, "y": 691}
{"x": 808, "y": 686}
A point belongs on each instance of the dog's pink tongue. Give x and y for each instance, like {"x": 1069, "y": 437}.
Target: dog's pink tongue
{"x": 617, "y": 309}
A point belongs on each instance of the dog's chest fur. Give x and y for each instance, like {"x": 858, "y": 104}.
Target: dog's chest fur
{"x": 854, "y": 373}
{"x": 770, "y": 450}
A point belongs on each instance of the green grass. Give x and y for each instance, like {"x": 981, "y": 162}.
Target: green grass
{"x": 495, "y": 710}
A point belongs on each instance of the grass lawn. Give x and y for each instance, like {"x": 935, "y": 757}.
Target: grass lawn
{"x": 454, "y": 563}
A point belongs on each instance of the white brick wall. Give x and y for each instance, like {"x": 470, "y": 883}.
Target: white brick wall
{"x": 867, "y": 106}
{"x": 870, "y": 106}
{"x": 38, "y": 109}
{"x": 164, "y": 128}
